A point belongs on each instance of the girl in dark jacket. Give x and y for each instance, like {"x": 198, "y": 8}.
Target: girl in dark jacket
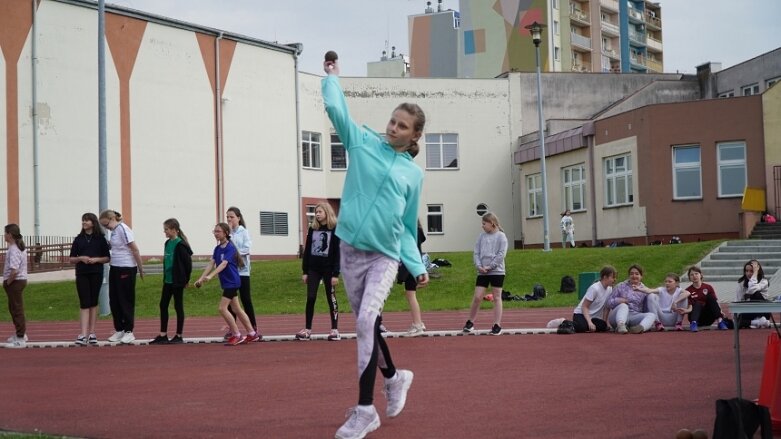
{"x": 321, "y": 262}
{"x": 177, "y": 267}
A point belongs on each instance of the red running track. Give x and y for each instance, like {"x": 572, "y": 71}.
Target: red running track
{"x": 511, "y": 386}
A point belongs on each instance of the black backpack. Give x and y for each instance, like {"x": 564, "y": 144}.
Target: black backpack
{"x": 539, "y": 291}
{"x": 739, "y": 419}
{"x": 567, "y": 284}
{"x": 566, "y": 327}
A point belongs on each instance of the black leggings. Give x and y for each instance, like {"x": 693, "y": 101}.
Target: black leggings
{"x": 706, "y": 314}
{"x": 246, "y": 302}
{"x": 366, "y": 380}
{"x": 312, "y": 284}
{"x": 581, "y": 324}
{"x": 165, "y": 299}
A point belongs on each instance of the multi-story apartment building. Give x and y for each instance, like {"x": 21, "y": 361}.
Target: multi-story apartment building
{"x": 486, "y": 39}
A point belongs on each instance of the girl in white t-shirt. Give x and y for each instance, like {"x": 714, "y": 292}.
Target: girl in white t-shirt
{"x": 669, "y": 302}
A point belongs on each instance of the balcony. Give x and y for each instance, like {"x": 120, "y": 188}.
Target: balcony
{"x": 580, "y": 68}
{"x": 581, "y": 41}
{"x": 653, "y": 21}
{"x": 636, "y": 15}
{"x": 637, "y": 37}
{"x": 610, "y": 53}
{"x": 653, "y": 44}
{"x": 654, "y": 65}
{"x": 637, "y": 60}
{"x": 579, "y": 18}
{"x": 610, "y": 5}
{"x": 609, "y": 28}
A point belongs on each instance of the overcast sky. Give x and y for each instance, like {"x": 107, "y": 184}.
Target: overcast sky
{"x": 694, "y": 31}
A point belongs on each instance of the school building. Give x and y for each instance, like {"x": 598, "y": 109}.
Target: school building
{"x": 200, "y": 119}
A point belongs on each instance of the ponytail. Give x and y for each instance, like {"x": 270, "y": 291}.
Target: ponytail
{"x": 16, "y": 234}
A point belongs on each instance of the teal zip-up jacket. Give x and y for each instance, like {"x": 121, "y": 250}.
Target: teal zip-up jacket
{"x": 379, "y": 207}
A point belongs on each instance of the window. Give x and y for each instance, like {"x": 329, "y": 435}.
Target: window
{"x": 310, "y": 150}
{"x": 555, "y": 4}
{"x": 687, "y": 172}
{"x": 771, "y": 82}
{"x": 732, "y": 168}
{"x": 556, "y": 53}
{"x": 441, "y": 151}
{"x": 574, "y": 187}
{"x": 310, "y": 213}
{"x": 434, "y": 218}
{"x": 534, "y": 188}
{"x": 338, "y": 153}
{"x": 618, "y": 180}
{"x": 727, "y": 94}
{"x": 750, "y": 90}
{"x": 481, "y": 209}
{"x": 556, "y": 30}
{"x": 273, "y": 223}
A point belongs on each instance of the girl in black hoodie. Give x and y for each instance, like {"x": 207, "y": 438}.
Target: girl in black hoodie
{"x": 321, "y": 262}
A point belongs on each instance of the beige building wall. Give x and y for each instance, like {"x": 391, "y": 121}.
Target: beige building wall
{"x": 533, "y": 226}
{"x": 172, "y": 140}
{"x": 476, "y": 110}
{"x": 617, "y": 222}
{"x": 771, "y": 107}
{"x": 260, "y": 142}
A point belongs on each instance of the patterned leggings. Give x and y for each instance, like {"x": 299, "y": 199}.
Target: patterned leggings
{"x": 368, "y": 278}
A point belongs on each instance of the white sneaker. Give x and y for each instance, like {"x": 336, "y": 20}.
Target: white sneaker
{"x": 396, "y": 391}
{"x": 416, "y": 330}
{"x": 117, "y": 336}
{"x": 19, "y": 343}
{"x": 361, "y": 420}
{"x": 128, "y": 337}
{"x": 13, "y": 338}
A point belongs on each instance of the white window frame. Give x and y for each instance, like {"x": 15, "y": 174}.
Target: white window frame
{"x": 336, "y": 144}
{"x": 310, "y": 150}
{"x": 750, "y": 90}
{"x": 570, "y": 187}
{"x": 534, "y": 195}
{"x": 687, "y": 167}
{"x": 435, "y": 211}
{"x": 437, "y": 146}
{"x": 727, "y": 94}
{"x": 772, "y": 81}
{"x": 310, "y": 212}
{"x": 615, "y": 176}
{"x": 556, "y": 53}
{"x": 730, "y": 164}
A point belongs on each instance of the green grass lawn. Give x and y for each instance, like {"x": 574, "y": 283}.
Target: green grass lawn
{"x": 277, "y": 287}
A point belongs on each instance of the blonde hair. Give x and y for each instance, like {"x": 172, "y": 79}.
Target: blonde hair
{"x": 491, "y": 217}
{"x": 111, "y": 215}
{"x": 330, "y": 217}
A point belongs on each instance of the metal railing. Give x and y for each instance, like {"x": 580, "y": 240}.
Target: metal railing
{"x": 45, "y": 253}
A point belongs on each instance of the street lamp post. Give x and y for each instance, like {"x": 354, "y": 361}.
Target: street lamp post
{"x": 536, "y": 31}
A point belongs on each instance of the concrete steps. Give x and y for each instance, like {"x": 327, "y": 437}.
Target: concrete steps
{"x": 724, "y": 265}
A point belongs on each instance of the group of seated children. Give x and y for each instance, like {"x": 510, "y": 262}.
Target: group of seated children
{"x": 631, "y": 307}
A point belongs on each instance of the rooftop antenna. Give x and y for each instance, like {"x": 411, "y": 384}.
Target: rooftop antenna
{"x": 439, "y": 6}
{"x": 429, "y": 9}
{"x": 393, "y": 52}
